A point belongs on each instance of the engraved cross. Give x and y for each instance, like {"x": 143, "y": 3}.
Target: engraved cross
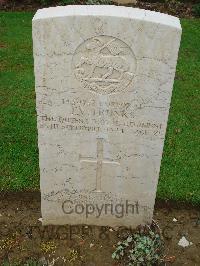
{"x": 99, "y": 161}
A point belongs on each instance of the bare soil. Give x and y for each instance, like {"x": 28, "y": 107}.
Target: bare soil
{"x": 172, "y": 7}
{"x": 22, "y": 236}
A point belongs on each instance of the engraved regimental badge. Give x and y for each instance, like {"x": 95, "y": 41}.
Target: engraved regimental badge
{"x": 104, "y": 65}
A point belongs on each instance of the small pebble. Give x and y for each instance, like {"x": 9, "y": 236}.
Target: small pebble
{"x": 40, "y": 219}
{"x": 91, "y": 245}
{"x": 175, "y": 220}
{"x": 183, "y": 242}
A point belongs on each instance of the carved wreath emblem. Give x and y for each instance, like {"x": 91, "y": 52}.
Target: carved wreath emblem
{"x": 104, "y": 64}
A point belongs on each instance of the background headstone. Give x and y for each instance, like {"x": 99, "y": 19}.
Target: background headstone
{"x": 104, "y": 78}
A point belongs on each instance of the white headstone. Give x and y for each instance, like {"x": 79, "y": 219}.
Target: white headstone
{"x": 104, "y": 78}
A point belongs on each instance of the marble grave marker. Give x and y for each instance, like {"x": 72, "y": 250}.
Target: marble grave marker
{"x": 103, "y": 78}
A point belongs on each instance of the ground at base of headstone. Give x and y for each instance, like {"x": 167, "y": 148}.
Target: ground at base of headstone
{"x": 24, "y": 239}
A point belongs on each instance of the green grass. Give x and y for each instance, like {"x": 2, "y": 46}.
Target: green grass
{"x": 18, "y": 135}
{"x": 180, "y": 173}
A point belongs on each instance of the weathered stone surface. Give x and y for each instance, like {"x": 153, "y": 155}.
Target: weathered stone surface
{"x": 104, "y": 77}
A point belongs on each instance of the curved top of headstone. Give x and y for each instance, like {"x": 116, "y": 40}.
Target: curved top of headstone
{"x": 108, "y": 10}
